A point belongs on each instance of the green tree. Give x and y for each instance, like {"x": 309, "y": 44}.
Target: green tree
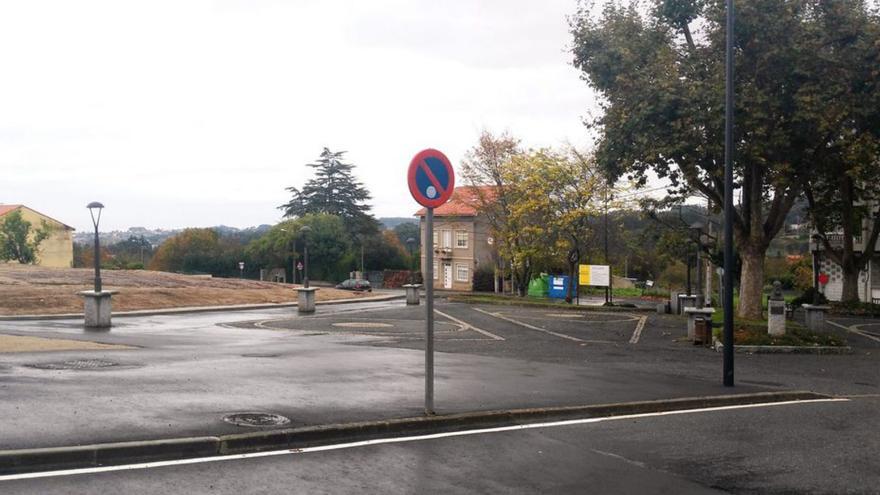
{"x": 18, "y": 242}
{"x": 334, "y": 191}
{"x": 843, "y": 191}
{"x": 328, "y": 244}
{"x": 662, "y": 107}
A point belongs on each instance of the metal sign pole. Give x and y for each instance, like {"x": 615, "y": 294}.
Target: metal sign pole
{"x": 429, "y": 308}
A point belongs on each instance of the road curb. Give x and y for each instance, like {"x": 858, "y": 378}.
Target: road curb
{"x": 200, "y": 309}
{"x": 85, "y": 456}
{"x": 787, "y": 349}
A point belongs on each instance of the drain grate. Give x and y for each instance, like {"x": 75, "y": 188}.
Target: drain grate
{"x": 74, "y": 364}
{"x": 261, "y": 355}
{"x": 255, "y": 419}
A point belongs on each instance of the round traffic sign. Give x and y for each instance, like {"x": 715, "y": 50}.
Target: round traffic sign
{"x": 431, "y": 178}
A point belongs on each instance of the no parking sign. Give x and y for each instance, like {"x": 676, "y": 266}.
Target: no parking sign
{"x": 431, "y": 178}
{"x": 431, "y": 181}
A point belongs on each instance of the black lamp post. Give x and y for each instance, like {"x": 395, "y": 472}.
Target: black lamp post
{"x": 96, "y": 220}
{"x": 410, "y": 243}
{"x": 305, "y": 231}
{"x": 697, "y": 228}
{"x": 816, "y": 265}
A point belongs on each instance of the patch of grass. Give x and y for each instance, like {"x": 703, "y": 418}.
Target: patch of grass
{"x": 855, "y": 309}
{"x": 751, "y": 332}
{"x": 627, "y": 292}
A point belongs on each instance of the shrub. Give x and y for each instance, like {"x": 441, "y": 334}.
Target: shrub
{"x": 484, "y": 279}
{"x": 807, "y": 298}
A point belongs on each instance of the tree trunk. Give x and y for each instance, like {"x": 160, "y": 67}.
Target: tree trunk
{"x": 751, "y": 285}
{"x": 850, "y": 279}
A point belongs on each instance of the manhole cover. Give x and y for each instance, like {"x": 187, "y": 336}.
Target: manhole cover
{"x": 75, "y": 364}
{"x": 256, "y": 419}
{"x": 362, "y": 324}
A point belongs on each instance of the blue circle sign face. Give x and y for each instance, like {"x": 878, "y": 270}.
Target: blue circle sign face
{"x": 431, "y": 178}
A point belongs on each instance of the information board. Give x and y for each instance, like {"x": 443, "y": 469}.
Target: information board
{"x": 595, "y": 275}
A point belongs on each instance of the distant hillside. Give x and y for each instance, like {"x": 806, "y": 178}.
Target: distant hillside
{"x": 391, "y": 222}
{"x": 158, "y": 236}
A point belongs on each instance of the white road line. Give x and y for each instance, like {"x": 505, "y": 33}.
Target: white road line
{"x": 532, "y": 327}
{"x": 467, "y": 326}
{"x": 854, "y": 329}
{"x": 381, "y": 441}
{"x": 637, "y": 334}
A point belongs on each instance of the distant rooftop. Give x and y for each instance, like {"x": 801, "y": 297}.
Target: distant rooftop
{"x": 465, "y": 202}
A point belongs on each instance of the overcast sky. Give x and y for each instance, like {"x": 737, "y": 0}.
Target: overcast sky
{"x": 199, "y": 113}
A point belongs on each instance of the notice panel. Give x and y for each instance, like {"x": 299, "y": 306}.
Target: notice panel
{"x": 595, "y": 275}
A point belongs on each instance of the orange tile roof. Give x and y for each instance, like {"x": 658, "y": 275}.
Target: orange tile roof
{"x": 465, "y": 202}
{"x": 4, "y": 209}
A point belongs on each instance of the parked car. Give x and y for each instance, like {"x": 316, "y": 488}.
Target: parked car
{"x": 355, "y": 284}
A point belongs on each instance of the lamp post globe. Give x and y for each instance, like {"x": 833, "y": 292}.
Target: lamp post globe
{"x": 96, "y": 207}
{"x": 305, "y": 232}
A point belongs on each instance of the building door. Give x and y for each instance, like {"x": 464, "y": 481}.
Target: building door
{"x": 447, "y": 276}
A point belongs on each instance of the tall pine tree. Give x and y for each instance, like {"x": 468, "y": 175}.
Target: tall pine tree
{"x": 334, "y": 191}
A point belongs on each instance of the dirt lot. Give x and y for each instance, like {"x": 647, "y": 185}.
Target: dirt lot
{"x": 38, "y": 290}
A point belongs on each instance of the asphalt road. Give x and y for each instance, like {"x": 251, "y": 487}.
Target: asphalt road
{"x": 364, "y": 361}
{"x": 797, "y": 448}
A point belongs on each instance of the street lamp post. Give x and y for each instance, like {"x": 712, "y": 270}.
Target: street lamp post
{"x": 410, "y": 243}
{"x": 96, "y": 220}
{"x": 305, "y": 231}
{"x": 727, "y": 367}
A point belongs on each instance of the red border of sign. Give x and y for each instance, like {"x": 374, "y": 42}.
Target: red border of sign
{"x": 411, "y": 178}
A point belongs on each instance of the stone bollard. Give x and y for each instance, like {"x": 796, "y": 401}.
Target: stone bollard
{"x": 674, "y": 303}
{"x": 412, "y": 294}
{"x": 305, "y": 300}
{"x": 776, "y": 311}
{"x": 692, "y": 314}
{"x": 97, "y": 308}
{"x": 815, "y": 316}
{"x": 685, "y": 301}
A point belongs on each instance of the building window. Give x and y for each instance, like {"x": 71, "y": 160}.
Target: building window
{"x": 462, "y": 273}
{"x": 447, "y": 239}
{"x": 461, "y": 239}
{"x": 436, "y": 269}
{"x": 436, "y": 238}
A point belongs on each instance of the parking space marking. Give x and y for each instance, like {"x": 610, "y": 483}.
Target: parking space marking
{"x": 531, "y": 327}
{"x": 637, "y": 334}
{"x": 855, "y": 329}
{"x": 467, "y": 326}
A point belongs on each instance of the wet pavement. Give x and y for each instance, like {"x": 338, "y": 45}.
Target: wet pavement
{"x": 363, "y": 362}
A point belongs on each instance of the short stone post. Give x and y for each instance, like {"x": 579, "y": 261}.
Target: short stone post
{"x": 305, "y": 300}
{"x": 412, "y": 294}
{"x": 776, "y": 311}
{"x": 692, "y": 314}
{"x": 97, "y": 308}
{"x": 674, "y": 303}
{"x": 685, "y": 301}
{"x": 815, "y": 316}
